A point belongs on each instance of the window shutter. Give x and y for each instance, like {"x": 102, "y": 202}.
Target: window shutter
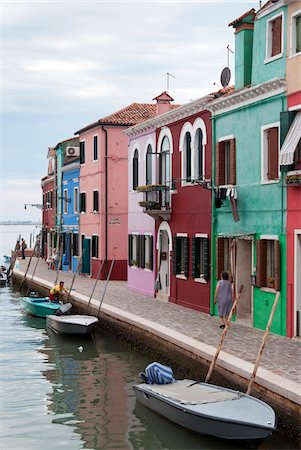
{"x": 150, "y": 240}
{"x": 186, "y": 256}
{"x": 261, "y": 263}
{"x": 130, "y": 249}
{"x": 220, "y": 163}
{"x": 272, "y": 153}
{"x": 174, "y": 255}
{"x": 95, "y": 200}
{"x": 277, "y": 282}
{"x": 219, "y": 257}
{"x": 142, "y": 251}
{"x": 232, "y": 161}
{"x": 193, "y": 258}
{"x": 138, "y": 243}
{"x": 206, "y": 258}
{"x": 276, "y": 36}
{"x": 82, "y": 155}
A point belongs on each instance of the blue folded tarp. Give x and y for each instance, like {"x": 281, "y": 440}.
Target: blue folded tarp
{"x": 157, "y": 373}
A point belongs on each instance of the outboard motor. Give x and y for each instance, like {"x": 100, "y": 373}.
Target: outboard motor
{"x": 63, "y": 309}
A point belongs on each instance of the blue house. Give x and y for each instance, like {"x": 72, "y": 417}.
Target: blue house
{"x": 70, "y": 207}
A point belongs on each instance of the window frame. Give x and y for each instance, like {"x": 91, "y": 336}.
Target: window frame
{"x": 83, "y": 203}
{"x": 148, "y": 165}
{"x": 293, "y": 34}
{"x": 201, "y": 255}
{"x": 95, "y": 246}
{"x": 95, "y": 147}
{"x": 95, "y": 209}
{"x": 75, "y": 199}
{"x": 135, "y": 169}
{"x": 75, "y": 244}
{"x": 82, "y": 153}
{"x": 265, "y": 154}
{"x": 181, "y": 256}
{"x": 268, "y": 253}
{"x": 269, "y": 38}
{"x": 222, "y": 164}
{"x": 65, "y": 196}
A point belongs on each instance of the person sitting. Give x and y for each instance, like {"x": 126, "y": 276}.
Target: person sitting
{"x": 56, "y": 290}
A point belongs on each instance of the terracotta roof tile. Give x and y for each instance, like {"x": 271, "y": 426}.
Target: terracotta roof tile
{"x": 246, "y": 14}
{"x": 227, "y": 90}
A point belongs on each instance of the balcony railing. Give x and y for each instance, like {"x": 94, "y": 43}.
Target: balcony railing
{"x": 156, "y": 200}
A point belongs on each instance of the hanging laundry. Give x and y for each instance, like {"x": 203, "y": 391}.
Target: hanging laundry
{"x": 232, "y": 194}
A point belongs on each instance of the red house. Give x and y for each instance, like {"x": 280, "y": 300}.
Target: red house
{"x": 49, "y": 209}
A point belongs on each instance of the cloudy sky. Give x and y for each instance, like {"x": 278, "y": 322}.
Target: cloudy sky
{"x": 66, "y": 64}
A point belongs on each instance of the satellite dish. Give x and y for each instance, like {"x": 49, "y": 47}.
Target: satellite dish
{"x": 225, "y": 76}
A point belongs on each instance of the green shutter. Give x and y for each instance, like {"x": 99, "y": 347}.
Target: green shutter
{"x": 174, "y": 255}
{"x": 186, "y": 256}
{"x": 277, "y": 282}
{"x": 130, "y": 249}
{"x": 142, "y": 251}
{"x": 193, "y": 258}
{"x": 206, "y": 258}
{"x": 151, "y": 250}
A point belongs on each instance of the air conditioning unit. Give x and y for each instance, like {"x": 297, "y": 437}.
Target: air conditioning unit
{"x": 72, "y": 151}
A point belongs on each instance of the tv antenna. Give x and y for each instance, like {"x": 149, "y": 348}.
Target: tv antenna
{"x": 167, "y": 81}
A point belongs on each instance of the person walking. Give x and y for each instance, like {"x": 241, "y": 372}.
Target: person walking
{"x": 223, "y": 296}
{"x": 23, "y": 248}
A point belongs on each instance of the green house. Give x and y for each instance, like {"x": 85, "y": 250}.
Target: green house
{"x": 249, "y": 197}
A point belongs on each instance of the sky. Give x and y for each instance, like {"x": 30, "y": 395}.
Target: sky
{"x": 65, "y": 64}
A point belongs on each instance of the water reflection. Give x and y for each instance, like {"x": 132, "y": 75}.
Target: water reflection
{"x": 55, "y": 396}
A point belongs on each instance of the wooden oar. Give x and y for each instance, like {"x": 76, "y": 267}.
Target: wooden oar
{"x": 264, "y": 339}
{"x": 235, "y": 303}
{"x": 74, "y": 275}
{"x": 29, "y": 262}
{"x": 95, "y": 283}
{"x": 35, "y": 268}
{"x": 106, "y": 285}
{"x": 59, "y": 263}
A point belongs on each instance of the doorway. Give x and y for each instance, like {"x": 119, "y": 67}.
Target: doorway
{"x": 163, "y": 248}
{"x": 243, "y": 277}
{"x": 297, "y": 282}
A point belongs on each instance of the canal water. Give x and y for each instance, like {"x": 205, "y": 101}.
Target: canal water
{"x": 75, "y": 393}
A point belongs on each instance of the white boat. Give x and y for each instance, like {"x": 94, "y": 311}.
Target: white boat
{"x": 210, "y": 410}
{"x": 71, "y": 324}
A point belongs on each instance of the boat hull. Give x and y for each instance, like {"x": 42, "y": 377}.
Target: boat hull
{"x": 71, "y": 324}
{"x": 39, "y": 307}
{"x": 213, "y": 418}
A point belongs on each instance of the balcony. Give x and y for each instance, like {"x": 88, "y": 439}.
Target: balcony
{"x": 293, "y": 178}
{"x": 156, "y": 200}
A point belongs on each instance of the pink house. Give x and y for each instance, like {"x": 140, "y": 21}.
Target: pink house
{"x": 104, "y": 191}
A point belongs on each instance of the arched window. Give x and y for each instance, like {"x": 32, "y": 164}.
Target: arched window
{"x": 149, "y": 165}
{"x": 199, "y": 153}
{"x": 165, "y": 161}
{"x": 135, "y": 169}
{"x": 187, "y": 160}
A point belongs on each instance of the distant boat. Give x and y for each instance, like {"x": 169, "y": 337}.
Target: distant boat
{"x": 7, "y": 259}
{"x": 39, "y": 306}
{"x": 76, "y": 324}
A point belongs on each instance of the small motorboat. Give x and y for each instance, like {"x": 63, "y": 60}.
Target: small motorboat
{"x": 71, "y": 324}
{"x": 7, "y": 259}
{"x": 210, "y": 410}
{"x": 3, "y": 276}
{"x": 39, "y": 306}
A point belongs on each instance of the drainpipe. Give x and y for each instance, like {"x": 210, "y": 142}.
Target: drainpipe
{"x": 106, "y": 193}
{"x": 213, "y": 219}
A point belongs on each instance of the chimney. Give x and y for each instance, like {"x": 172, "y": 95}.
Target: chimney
{"x": 163, "y": 103}
{"x": 244, "y": 27}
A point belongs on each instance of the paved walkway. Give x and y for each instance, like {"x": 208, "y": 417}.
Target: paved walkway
{"x": 281, "y": 357}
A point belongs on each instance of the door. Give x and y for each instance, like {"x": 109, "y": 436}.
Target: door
{"x": 86, "y": 261}
{"x": 164, "y": 265}
{"x": 297, "y": 283}
{"x": 243, "y": 277}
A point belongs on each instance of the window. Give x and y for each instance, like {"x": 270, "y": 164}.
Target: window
{"x": 82, "y": 242}
{"x": 200, "y": 258}
{"x": 82, "y": 153}
{"x": 95, "y": 148}
{"x": 226, "y": 162}
{"x": 199, "y": 154}
{"x": 75, "y": 200}
{"x": 222, "y": 257}
{"x": 180, "y": 255}
{"x": 82, "y": 205}
{"x": 268, "y": 263}
{"x": 94, "y": 246}
{"x": 134, "y": 250}
{"x": 95, "y": 201}
{"x": 297, "y": 156}
{"x": 296, "y": 33}
{"x": 270, "y": 153}
{"x": 165, "y": 161}
{"x": 141, "y": 251}
{"x": 187, "y": 157}
{"x": 51, "y": 199}
{"x": 149, "y": 165}
{"x": 135, "y": 169}
{"x": 65, "y": 201}
{"x": 274, "y": 37}
{"x": 75, "y": 244}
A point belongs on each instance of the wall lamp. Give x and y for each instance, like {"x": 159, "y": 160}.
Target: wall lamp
{"x": 36, "y": 205}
